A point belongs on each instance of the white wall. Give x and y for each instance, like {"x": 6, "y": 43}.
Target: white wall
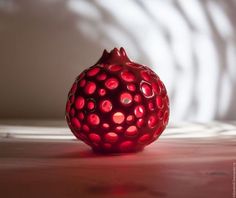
{"x": 190, "y": 44}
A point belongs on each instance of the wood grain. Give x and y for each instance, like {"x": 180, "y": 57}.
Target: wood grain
{"x": 171, "y": 167}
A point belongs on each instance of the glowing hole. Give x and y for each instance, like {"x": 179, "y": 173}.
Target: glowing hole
{"x": 131, "y": 87}
{"x": 85, "y": 128}
{"x": 144, "y": 138}
{"x": 119, "y": 129}
{"x": 139, "y": 111}
{"x": 111, "y": 137}
{"x": 130, "y": 118}
{"x": 140, "y": 123}
{"x": 102, "y": 92}
{"x": 162, "y": 87}
{"x": 93, "y": 119}
{"x": 94, "y": 137}
{"x": 165, "y": 118}
{"x": 82, "y": 83}
{"x": 114, "y": 68}
{"x": 72, "y": 112}
{"x": 111, "y": 83}
{"x": 137, "y": 98}
{"x": 75, "y": 123}
{"x": 118, "y": 117}
{"x": 157, "y": 133}
{"x": 159, "y": 102}
{"x": 126, "y": 146}
{"x": 126, "y": 98}
{"x": 90, "y": 88}
{"x": 131, "y": 131}
{"x": 91, "y": 105}
{"x": 106, "y": 106}
{"x": 156, "y": 88}
{"x": 127, "y": 76}
{"x": 145, "y": 75}
{"x": 81, "y": 115}
{"x": 160, "y": 115}
{"x": 102, "y": 76}
{"x": 152, "y": 121}
{"x": 105, "y": 125}
{"x": 146, "y": 89}
{"x": 79, "y": 102}
{"x": 151, "y": 106}
{"x": 93, "y": 71}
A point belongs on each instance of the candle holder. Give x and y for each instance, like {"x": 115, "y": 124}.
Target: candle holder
{"x": 117, "y": 105}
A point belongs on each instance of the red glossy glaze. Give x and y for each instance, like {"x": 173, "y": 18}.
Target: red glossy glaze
{"x": 117, "y": 105}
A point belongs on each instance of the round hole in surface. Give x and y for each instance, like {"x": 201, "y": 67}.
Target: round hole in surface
{"x": 102, "y": 92}
{"x": 131, "y": 131}
{"x": 118, "y": 117}
{"x": 111, "y": 137}
{"x": 93, "y": 119}
{"x": 90, "y": 88}
{"x": 106, "y": 106}
{"x": 127, "y": 76}
{"x": 145, "y": 75}
{"x": 146, "y": 89}
{"x": 91, "y": 105}
{"x": 126, "y": 98}
{"x": 94, "y": 137}
{"x": 79, "y": 102}
{"x": 114, "y": 68}
{"x": 76, "y": 123}
{"x": 126, "y": 146}
{"x": 102, "y": 76}
{"x": 139, "y": 111}
{"x": 111, "y": 83}
{"x": 131, "y": 87}
{"x": 144, "y": 139}
{"x": 93, "y": 71}
{"x": 152, "y": 121}
{"x": 159, "y": 102}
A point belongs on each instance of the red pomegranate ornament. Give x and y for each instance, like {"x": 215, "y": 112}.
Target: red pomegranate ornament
{"x": 117, "y": 105}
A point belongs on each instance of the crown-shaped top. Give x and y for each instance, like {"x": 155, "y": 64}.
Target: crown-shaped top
{"x": 115, "y": 56}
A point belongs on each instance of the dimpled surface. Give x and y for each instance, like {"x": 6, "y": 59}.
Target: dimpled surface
{"x": 117, "y": 105}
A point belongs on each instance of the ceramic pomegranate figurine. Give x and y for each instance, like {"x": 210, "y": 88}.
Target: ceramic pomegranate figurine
{"x": 117, "y": 105}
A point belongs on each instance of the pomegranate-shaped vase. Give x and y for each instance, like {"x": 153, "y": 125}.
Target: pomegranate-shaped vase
{"x": 117, "y": 105}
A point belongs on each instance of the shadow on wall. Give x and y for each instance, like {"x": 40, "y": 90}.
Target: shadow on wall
{"x": 191, "y": 45}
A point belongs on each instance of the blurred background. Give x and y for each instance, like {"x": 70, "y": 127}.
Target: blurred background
{"x": 191, "y": 45}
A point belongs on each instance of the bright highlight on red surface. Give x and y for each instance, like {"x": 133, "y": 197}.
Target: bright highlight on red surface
{"x": 118, "y": 117}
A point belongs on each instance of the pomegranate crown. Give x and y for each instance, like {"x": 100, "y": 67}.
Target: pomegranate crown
{"x": 117, "y": 56}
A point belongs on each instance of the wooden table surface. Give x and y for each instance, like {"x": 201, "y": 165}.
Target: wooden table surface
{"x": 42, "y": 159}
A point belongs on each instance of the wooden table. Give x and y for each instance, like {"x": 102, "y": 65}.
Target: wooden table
{"x": 42, "y": 159}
